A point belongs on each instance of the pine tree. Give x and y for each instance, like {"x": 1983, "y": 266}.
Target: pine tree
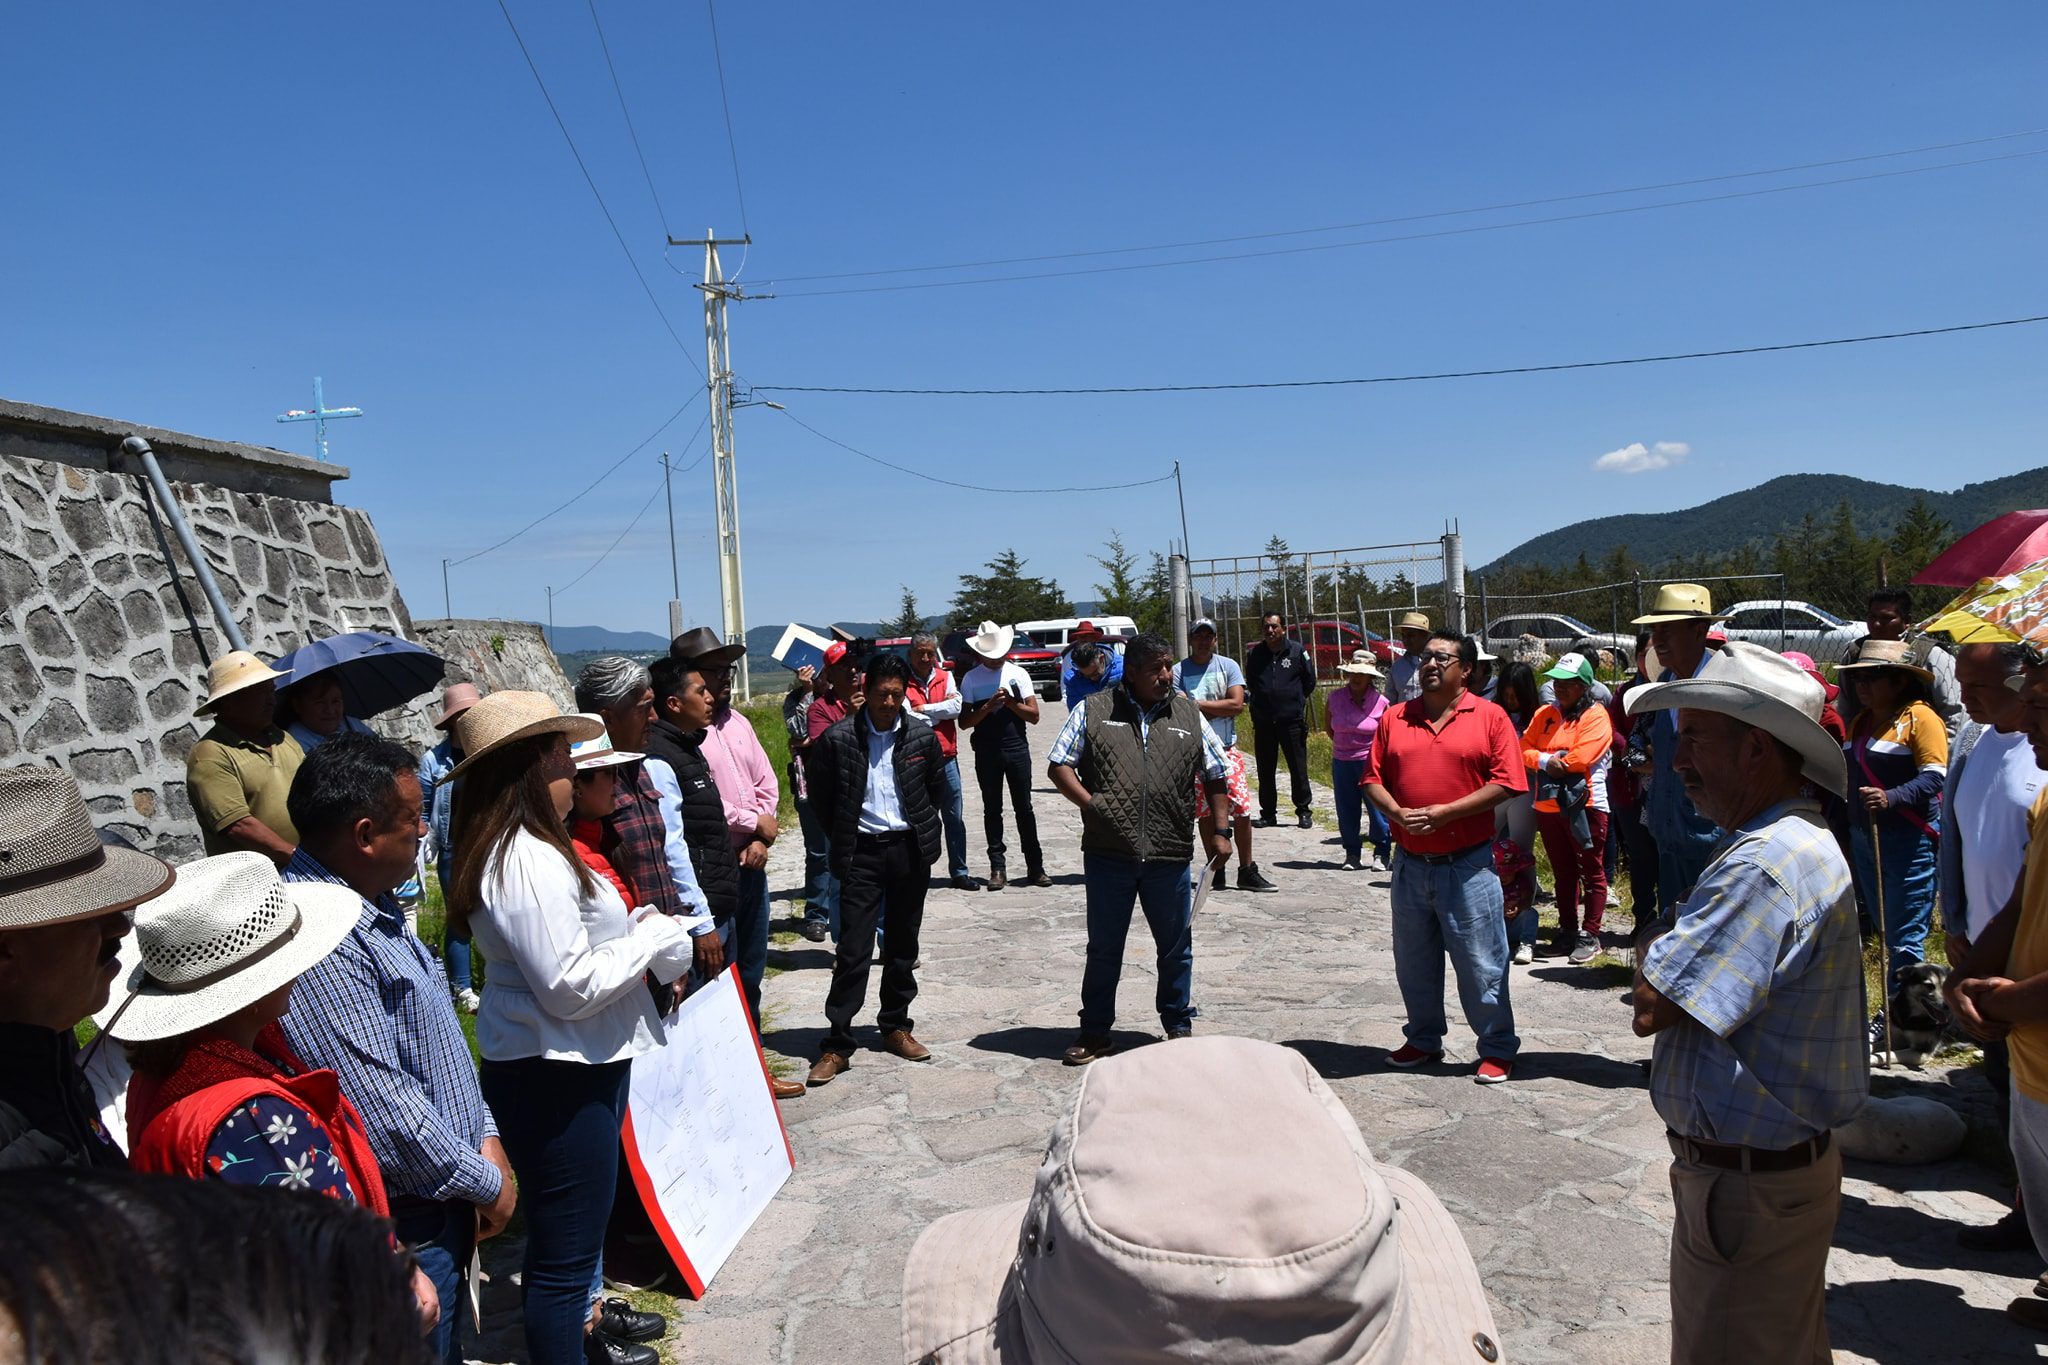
{"x": 1120, "y": 595}
{"x": 909, "y": 617}
{"x": 1921, "y": 535}
{"x": 1006, "y": 595}
{"x": 1154, "y": 608}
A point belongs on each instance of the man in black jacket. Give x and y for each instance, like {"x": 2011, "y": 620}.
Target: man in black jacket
{"x": 878, "y": 782}
{"x": 682, "y": 709}
{"x": 1279, "y": 680}
{"x": 64, "y": 903}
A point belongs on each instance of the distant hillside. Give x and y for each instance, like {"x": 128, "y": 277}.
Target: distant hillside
{"x": 600, "y": 640}
{"x": 1754, "y": 517}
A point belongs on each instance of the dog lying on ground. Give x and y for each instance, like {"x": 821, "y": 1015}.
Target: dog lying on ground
{"x": 1919, "y": 1016}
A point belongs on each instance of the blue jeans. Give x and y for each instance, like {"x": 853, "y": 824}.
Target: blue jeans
{"x": 440, "y": 1236}
{"x": 1453, "y": 908}
{"x": 750, "y": 935}
{"x": 1908, "y": 884}
{"x": 1345, "y": 774}
{"x": 1162, "y": 889}
{"x": 456, "y": 951}
{"x": 955, "y": 817}
{"x": 559, "y": 1122}
{"x": 821, "y": 888}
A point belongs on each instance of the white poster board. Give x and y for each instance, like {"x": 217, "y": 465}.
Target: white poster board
{"x": 703, "y": 1137}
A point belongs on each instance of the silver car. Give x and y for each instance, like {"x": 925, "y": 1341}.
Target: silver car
{"x": 1783, "y": 625}
{"x": 1559, "y": 634}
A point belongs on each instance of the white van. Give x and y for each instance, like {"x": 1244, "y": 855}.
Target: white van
{"x": 1057, "y": 634}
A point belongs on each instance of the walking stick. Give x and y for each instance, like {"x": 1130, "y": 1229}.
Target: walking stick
{"x": 1884, "y": 936}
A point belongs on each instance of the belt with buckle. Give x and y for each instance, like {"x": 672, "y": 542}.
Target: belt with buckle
{"x": 1731, "y": 1158}
{"x": 1439, "y": 859}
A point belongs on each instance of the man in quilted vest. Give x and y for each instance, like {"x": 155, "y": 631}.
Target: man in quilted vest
{"x": 1131, "y": 759}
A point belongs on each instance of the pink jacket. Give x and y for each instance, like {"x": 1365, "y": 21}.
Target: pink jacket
{"x": 740, "y": 767}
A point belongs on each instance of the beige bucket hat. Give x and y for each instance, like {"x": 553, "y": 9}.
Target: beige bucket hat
{"x": 233, "y": 671}
{"x": 1360, "y": 663}
{"x": 1412, "y": 620}
{"x": 1311, "y": 1253}
{"x": 228, "y": 932}
{"x": 508, "y": 717}
{"x": 53, "y": 865}
{"x": 1758, "y": 687}
{"x": 1875, "y": 654}
{"x": 1678, "y": 602}
{"x": 458, "y": 697}
{"x": 992, "y": 642}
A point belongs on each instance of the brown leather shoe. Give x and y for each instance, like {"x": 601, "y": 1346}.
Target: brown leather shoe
{"x": 828, "y": 1065}
{"x": 899, "y": 1043}
{"x": 1039, "y": 878}
{"x": 784, "y": 1090}
{"x": 1087, "y": 1048}
{"x": 997, "y": 881}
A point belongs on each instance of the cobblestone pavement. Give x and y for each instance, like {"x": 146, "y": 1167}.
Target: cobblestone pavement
{"x": 1557, "y": 1179}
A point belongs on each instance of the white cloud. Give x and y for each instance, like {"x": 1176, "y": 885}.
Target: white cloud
{"x": 1637, "y": 458}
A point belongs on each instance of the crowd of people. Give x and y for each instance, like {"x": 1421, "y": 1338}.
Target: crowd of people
{"x": 280, "y": 1022}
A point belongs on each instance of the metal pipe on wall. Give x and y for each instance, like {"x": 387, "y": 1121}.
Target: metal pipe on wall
{"x": 139, "y": 448}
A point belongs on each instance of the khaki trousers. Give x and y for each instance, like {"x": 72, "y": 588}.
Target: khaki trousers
{"x": 1749, "y": 1259}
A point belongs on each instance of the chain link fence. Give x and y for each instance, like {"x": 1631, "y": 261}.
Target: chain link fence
{"x": 1598, "y": 621}
{"x": 1334, "y": 602}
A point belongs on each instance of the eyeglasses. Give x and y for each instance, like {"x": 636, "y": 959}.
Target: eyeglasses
{"x": 1438, "y": 656}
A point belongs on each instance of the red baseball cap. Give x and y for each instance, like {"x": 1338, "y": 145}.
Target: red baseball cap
{"x": 834, "y": 652}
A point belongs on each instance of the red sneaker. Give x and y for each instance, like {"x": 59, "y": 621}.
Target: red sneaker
{"x": 1410, "y": 1055}
{"x": 1492, "y": 1071}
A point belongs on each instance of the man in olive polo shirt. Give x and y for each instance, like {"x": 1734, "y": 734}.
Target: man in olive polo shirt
{"x": 239, "y": 774}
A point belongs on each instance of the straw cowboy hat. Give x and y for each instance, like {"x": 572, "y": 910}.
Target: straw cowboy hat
{"x": 992, "y": 642}
{"x": 598, "y": 752}
{"x": 53, "y": 865}
{"x": 1759, "y": 688}
{"x": 1876, "y": 654}
{"x": 234, "y": 671}
{"x": 1678, "y": 602}
{"x": 1361, "y": 664}
{"x": 227, "y": 933}
{"x": 507, "y": 717}
{"x": 1412, "y": 620}
{"x": 699, "y": 645}
{"x": 1111, "y": 1257}
{"x": 458, "y": 698}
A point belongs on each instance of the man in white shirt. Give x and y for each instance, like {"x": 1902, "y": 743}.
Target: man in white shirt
{"x": 997, "y": 702}
{"x": 1216, "y": 683}
{"x": 1989, "y": 793}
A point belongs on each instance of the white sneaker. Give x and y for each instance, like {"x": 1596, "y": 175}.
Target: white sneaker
{"x": 467, "y": 1000}
{"x": 1524, "y": 954}
{"x": 1379, "y": 864}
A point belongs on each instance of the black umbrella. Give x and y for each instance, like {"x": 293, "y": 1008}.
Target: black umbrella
{"x": 377, "y": 672}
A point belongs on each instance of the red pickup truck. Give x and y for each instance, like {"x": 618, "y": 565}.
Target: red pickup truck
{"x": 1334, "y": 642}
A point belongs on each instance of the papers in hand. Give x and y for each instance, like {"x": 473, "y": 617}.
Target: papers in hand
{"x": 801, "y": 648}
{"x": 1205, "y": 882}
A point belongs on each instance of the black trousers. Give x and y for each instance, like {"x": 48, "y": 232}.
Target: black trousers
{"x": 1274, "y": 735}
{"x": 888, "y": 879}
{"x": 992, "y": 771}
{"x": 1641, "y": 851}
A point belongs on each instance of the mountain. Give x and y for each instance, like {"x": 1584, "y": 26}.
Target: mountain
{"x": 1756, "y": 515}
{"x": 600, "y": 640}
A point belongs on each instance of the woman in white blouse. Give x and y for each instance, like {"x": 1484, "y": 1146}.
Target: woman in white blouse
{"x": 565, "y": 1009}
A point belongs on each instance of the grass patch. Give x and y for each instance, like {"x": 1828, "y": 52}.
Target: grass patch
{"x": 765, "y": 715}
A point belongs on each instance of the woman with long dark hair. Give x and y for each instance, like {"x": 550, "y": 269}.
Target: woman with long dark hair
{"x": 564, "y": 1008}
{"x": 1515, "y": 818}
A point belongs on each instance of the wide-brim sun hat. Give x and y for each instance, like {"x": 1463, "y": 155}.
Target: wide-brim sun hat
{"x": 458, "y": 698}
{"x": 1412, "y": 620}
{"x": 1360, "y": 664}
{"x": 1872, "y": 655}
{"x": 700, "y": 645}
{"x": 227, "y": 933}
{"x": 54, "y": 867}
{"x": 992, "y": 642}
{"x": 1761, "y": 688}
{"x": 1678, "y": 602}
{"x": 599, "y": 753}
{"x": 508, "y": 717}
{"x": 1313, "y": 1253}
{"x": 1571, "y": 668}
{"x": 233, "y": 672}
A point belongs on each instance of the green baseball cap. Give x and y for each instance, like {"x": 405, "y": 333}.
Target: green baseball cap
{"x": 1571, "y": 666}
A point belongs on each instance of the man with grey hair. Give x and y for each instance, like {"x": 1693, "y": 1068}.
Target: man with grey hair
{"x": 648, "y": 818}
{"x": 934, "y": 699}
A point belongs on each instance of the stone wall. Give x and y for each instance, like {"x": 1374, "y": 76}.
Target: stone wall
{"x": 99, "y": 667}
{"x": 497, "y": 656}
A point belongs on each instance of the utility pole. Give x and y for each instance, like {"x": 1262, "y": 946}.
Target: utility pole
{"x": 675, "y": 574}
{"x": 551, "y": 618}
{"x": 724, "y": 478}
{"x": 446, "y": 610}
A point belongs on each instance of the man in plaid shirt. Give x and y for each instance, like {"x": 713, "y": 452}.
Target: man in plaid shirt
{"x": 1755, "y": 999}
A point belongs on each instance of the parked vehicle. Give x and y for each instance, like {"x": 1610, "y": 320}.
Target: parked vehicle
{"x": 1785, "y": 624}
{"x": 1040, "y": 664}
{"x": 1560, "y": 634}
{"x": 1059, "y": 634}
{"x": 1332, "y": 643}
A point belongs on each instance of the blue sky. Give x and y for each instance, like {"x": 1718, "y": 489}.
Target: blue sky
{"x": 208, "y": 205}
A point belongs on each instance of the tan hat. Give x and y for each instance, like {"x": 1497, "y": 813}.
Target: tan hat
{"x": 1412, "y": 620}
{"x": 1678, "y": 602}
{"x": 508, "y": 717}
{"x": 458, "y": 698}
{"x": 992, "y": 642}
{"x": 53, "y": 865}
{"x": 1361, "y": 663}
{"x": 232, "y": 672}
{"x": 1761, "y": 688}
{"x": 1874, "y": 654}
{"x": 1142, "y": 1243}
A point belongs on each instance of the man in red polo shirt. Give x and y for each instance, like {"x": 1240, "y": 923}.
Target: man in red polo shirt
{"x": 1438, "y": 767}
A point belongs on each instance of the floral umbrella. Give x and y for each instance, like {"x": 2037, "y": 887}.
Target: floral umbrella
{"x": 1998, "y": 610}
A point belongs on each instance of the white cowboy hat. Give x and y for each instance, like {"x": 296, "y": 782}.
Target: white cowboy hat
{"x": 1360, "y": 663}
{"x": 1311, "y": 1253}
{"x": 234, "y": 671}
{"x": 507, "y": 717}
{"x": 599, "y": 753}
{"x": 992, "y": 642}
{"x": 53, "y": 865}
{"x": 227, "y": 933}
{"x": 1678, "y": 602}
{"x": 1761, "y": 688}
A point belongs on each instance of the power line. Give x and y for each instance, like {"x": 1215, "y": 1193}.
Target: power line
{"x": 1413, "y": 217}
{"x": 955, "y": 483}
{"x": 587, "y": 488}
{"x": 659, "y": 485}
{"x": 732, "y": 145}
{"x": 589, "y": 180}
{"x": 619, "y": 90}
{"x": 1402, "y": 378}
{"x": 1407, "y": 236}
